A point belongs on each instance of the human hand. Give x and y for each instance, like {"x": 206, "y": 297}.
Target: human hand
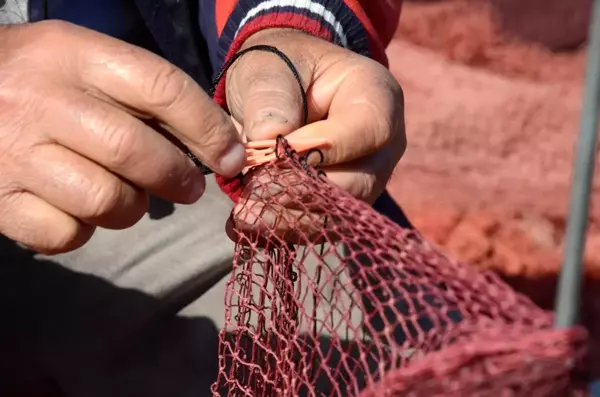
{"x": 86, "y": 130}
{"x": 354, "y": 102}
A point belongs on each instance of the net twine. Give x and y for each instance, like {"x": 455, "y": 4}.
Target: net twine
{"x": 329, "y": 298}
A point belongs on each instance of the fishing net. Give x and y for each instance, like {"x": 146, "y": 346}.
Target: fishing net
{"x": 329, "y": 298}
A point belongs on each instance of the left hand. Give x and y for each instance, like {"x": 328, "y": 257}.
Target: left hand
{"x": 354, "y": 102}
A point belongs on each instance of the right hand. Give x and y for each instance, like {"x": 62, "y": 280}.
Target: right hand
{"x": 77, "y": 149}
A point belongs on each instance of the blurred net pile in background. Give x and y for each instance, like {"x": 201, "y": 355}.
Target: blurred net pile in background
{"x": 493, "y": 102}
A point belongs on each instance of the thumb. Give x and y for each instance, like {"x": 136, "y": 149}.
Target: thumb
{"x": 264, "y": 96}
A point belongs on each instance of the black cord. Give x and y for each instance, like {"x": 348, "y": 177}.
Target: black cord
{"x": 264, "y": 48}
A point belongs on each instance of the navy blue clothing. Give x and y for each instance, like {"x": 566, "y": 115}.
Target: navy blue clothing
{"x": 116, "y": 18}
{"x": 162, "y": 26}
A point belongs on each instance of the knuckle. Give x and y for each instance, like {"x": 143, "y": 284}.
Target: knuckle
{"x": 380, "y": 126}
{"x": 23, "y": 101}
{"x": 385, "y": 103}
{"x": 46, "y": 38}
{"x": 54, "y": 27}
{"x": 68, "y": 238}
{"x": 400, "y": 143}
{"x": 18, "y": 117}
{"x": 103, "y": 199}
{"x": 115, "y": 134}
{"x": 34, "y": 44}
{"x": 397, "y": 93}
{"x": 370, "y": 188}
{"x": 215, "y": 136}
{"x": 120, "y": 143}
{"x": 165, "y": 86}
{"x": 8, "y": 81}
{"x": 16, "y": 94}
{"x": 9, "y": 194}
{"x": 392, "y": 125}
{"x": 57, "y": 235}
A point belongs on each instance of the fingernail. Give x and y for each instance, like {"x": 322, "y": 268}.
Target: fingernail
{"x": 234, "y": 160}
{"x": 198, "y": 187}
{"x": 194, "y": 185}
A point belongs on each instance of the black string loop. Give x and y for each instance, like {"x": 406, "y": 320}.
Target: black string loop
{"x": 280, "y": 139}
{"x": 283, "y": 57}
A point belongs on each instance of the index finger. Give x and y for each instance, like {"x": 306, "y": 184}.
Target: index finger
{"x": 148, "y": 84}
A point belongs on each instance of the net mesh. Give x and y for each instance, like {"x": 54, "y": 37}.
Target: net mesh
{"x": 329, "y": 298}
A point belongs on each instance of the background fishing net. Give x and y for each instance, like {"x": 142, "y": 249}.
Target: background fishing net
{"x": 329, "y": 298}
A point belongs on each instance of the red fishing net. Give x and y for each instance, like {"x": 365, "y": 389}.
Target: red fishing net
{"x": 329, "y": 298}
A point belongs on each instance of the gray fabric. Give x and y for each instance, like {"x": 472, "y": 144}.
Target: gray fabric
{"x": 107, "y": 319}
{"x": 102, "y": 321}
{"x": 13, "y": 11}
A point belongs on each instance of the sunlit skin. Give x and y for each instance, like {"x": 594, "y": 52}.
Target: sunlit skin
{"x": 86, "y": 119}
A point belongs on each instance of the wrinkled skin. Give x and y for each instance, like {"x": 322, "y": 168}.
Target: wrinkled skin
{"x": 87, "y": 125}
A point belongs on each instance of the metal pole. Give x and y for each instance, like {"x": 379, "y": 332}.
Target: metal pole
{"x": 569, "y": 286}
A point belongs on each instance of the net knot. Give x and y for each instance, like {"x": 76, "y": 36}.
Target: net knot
{"x": 234, "y": 187}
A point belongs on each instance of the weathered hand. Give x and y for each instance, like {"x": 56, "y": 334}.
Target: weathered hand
{"x": 353, "y": 101}
{"x": 74, "y": 151}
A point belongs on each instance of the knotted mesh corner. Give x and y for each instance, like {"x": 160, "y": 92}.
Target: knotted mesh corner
{"x": 329, "y": 298}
